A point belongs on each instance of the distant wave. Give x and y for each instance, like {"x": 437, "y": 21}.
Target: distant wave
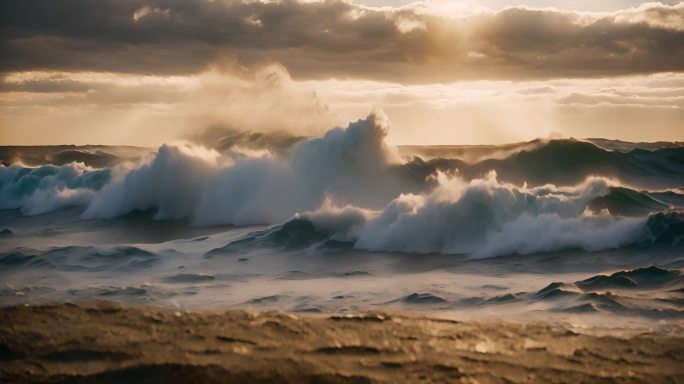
{"x": 98, "y": 156}
{"x": 568, "y": 162}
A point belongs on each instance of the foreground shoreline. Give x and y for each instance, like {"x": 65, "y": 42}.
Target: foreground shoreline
{"x": 105, "y": 342}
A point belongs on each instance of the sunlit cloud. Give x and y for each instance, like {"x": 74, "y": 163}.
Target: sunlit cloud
{"x": 153, "y": 108}
{"x": 144, "y": 110}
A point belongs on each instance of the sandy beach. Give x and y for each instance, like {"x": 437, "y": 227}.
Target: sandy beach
{"x": 104, "y": 342}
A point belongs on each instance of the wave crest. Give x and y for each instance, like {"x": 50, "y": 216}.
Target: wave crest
{"x": 483, "y": 218}
{"x": 49, "y": 187}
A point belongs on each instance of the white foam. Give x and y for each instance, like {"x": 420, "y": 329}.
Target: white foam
{"x": 485, "y": 218}
{"x": 350, "y": 164}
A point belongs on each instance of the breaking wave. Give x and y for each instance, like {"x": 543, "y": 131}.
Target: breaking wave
{"x": 348, "y": 188}
{"x": 49, "y": 187}
{"x": 480, "y": 218}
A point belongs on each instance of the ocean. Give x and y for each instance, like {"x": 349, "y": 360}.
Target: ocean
{"x": 575, "y": 231}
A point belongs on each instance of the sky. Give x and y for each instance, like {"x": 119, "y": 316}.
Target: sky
{"x": 144, "y": 72}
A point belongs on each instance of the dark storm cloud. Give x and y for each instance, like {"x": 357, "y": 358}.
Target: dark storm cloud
{"x": 336, "y": 38}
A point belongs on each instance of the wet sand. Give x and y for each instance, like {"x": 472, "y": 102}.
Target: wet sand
{"x": 109, "y": 343}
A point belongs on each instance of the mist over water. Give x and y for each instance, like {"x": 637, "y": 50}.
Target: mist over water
{"x": 345, "y": 222}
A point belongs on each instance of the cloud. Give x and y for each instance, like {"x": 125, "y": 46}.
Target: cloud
{"x": 234, "y": 106}
{"x": 87, "y": 107}
{"x": 477, "y": 112}
{"x": 334, "y": 38}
